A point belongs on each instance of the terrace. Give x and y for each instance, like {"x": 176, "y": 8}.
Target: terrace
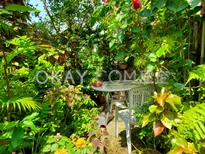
{"x": 55, "y": 69}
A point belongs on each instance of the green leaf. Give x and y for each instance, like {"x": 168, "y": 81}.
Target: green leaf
{"x": 29, "y": 124}
{"x": 146, "y": 119}
{"x": 2, "y": 125}
{"x": 182, "y": 6}
{"x": 176, "y": 150}
{"x": 31, "y": 117}
{"x": 119, "y": 17}
{"x": 5, "y": 27}
{"x": 181, "y": 142}
{"x": 16, "y": 7}
{"x": 145, "y": 13}
{"x": 174, "y": 101}
{"x": 167, "y": 119}
{"x": 112, "y": 42}
{"x": 193, "y": 3}
{"x": 47, "y": 148}
{"x": 11, "y": 125}
{"x": 64, "y": 138}
{"x": 3, "y": 149}
{"x": 10, "y": 56}
{"x": 150, "y": 67}
{"x": 135, "y": 29}
{"x": 145, "y": 34}
{"x": 175, "y": 6}
{"x": 51, "y": 139}
{"x": 124, "y": 26}
{"x": 159, "y": 3}
{"x": 161, "y": 51}
{"x": 5, "y": 12}
{"x": 120, "y": 55}
{"x": 180, "y": 86}
{"x": 152, "y": 57}
{"x": 152, "y": 108}
{"x": 17, "y": 136}
{"x": 121, "y": 37}
{"x": 161, "y": 62}
{"x": 54, "y": 147}
{"x": 159, "y": 109}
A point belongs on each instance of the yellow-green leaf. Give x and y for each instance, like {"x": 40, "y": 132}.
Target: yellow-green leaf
{"x": 174, "y": 101}
{"x": 146, "y": 119}
{"x": 191, "y": 149}
{"x": 167, "y": 119}
{"x": 152, "y": 108}
{"x": 176, "y": 150}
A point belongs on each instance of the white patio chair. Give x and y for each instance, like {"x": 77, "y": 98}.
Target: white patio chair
{"x": 137, "y": 96}
{"x": 119, "y": 97}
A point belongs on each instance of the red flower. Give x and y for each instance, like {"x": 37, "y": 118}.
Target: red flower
{"x": 106, "y": 1}
{"x": 136, "y": 4}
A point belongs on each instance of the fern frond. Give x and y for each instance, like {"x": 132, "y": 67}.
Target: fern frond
{"x": 26, "y": 103}
{"x": 198, "y": 73}
{"x": 192, "y": 125}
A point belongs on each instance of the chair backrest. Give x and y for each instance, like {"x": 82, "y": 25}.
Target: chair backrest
{"x": 138, "y": 96}
{"x": 161, "y": 76}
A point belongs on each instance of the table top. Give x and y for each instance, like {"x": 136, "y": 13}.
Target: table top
{"x": 115, "y": 86}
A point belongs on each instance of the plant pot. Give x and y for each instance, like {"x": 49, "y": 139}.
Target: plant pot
{"x": 102, "y": 99}
{"x": 123, "y": 66}
{"x": 98, "y": 83}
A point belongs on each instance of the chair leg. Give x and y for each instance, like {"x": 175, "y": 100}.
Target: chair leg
{"x": 116, "y": 121}
{"x": 128, "y": 136}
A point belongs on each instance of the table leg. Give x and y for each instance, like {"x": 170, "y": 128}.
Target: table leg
{"x": 109, "y": 105}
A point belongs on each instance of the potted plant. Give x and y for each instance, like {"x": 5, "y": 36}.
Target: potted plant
{"x": 123, "y": 63}
{"x": 102, "y": 98}
{"x": 122, "y": 60}
{"x": 97, "y": 82}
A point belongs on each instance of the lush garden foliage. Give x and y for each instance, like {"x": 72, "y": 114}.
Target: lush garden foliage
{"x": 47, "y": 68}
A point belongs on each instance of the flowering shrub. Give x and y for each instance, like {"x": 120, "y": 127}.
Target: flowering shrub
{"x": 75, "y": 108}
{"x": 63, "y": 151}
{"x": 100, "y": 139}
{"x": 80, "y": 143}
{"x": 60, "y": 144}
{"x": 136, "y": 4}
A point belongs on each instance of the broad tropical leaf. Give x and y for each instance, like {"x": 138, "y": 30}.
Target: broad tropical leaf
{"x": 174, "y": 101}
{"x": 176, "y": 150}
{"x": 193, "y": 3}
{"x": 167, "y": 119}
{"x": 158, "y": 128}
{"x": 17, "y": 136}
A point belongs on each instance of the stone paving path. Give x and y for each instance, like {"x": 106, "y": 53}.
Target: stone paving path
{"x": 119, "y": 145}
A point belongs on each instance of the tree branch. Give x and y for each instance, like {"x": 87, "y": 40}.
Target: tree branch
{"x": 52, "y": 20}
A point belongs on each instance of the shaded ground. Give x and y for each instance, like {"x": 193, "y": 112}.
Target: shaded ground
{"x": 119, "y": 145}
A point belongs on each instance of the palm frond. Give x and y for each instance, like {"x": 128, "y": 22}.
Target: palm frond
{"x": 25, "y": 103}
{"x": 192, "y": 124}
{"x": 198, "y": 73}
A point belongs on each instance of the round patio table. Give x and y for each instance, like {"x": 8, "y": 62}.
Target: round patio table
{"x": 115, "y": 86}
